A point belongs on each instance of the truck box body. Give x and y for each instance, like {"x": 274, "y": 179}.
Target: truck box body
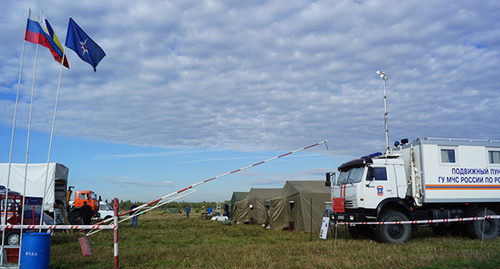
{"x": 57, "y": 181}
{"x": 451, "y": 171}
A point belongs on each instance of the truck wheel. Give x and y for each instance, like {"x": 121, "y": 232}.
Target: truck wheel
{"x": 483, "y": 229}
{"x": 74, "y": 217}
{"x": 12, "y": 238}
{"x": 393, "y": 233}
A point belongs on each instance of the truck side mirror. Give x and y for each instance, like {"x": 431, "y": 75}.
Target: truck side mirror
{"x": 100, "y": 199}
{"x": 330, "y": 179}
{"x": 371, "y": 173}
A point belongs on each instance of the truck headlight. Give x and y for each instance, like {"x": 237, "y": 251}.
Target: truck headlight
{"x": 351, "y": 217}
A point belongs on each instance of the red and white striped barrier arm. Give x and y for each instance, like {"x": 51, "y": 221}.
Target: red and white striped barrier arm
{"x": 432, "y": 221}
{"x": 210, "y": 179}
{"x": 57, "y": 227}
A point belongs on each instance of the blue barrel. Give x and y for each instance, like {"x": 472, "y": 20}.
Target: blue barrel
{"x": 35, "y": 250}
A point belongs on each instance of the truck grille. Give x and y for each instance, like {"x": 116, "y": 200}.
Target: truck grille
{"x": 349, "y": 203}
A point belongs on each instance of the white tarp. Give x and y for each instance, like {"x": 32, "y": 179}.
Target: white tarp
{"x": 35, "y": 182}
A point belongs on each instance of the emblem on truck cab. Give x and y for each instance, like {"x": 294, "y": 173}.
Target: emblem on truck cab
{"x": 380, "y": 190}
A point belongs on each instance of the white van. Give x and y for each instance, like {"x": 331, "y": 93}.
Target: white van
{"x": 106, "y": 211}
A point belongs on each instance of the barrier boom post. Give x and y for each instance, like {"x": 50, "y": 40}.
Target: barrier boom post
{"x": 115, "y": 209}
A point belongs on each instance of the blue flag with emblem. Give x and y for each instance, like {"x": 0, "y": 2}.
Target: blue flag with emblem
{"x": 83, "y": 45}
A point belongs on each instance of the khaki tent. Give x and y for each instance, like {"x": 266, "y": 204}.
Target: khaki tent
{"x": 237, "y": 196}
{"x": 292, "y": 208}
{"x": 252, "y": 209}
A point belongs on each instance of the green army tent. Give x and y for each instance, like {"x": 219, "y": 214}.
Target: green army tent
{"x": 237, "y": 196}
{"x": 171, "y": 210}
{"x": 291, "y": 209}
{"x": 252, "y": 209}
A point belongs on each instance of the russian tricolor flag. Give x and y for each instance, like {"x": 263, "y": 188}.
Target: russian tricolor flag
{"x": 36, "y": 34}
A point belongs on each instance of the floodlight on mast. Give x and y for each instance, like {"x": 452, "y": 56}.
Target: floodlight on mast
{"x": 382, "y": 75}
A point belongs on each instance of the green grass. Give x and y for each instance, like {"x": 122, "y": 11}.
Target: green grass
{"x": 172, "y": 241}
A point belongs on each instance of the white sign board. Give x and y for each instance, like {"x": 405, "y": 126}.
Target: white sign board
{"x": 325, "y": 225}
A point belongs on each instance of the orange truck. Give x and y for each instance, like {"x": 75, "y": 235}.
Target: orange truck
{"x": 82, "y": 196}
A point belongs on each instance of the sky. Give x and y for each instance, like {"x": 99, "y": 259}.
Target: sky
{"x": 189, "y": 90}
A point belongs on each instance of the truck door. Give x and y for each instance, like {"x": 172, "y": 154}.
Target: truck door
{"x": 400, "y": 177}
{"x": 380, "y": 184}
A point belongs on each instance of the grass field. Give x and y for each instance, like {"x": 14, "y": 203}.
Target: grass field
{"x": 172, "y": 241}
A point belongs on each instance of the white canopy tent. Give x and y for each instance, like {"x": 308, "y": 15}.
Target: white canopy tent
{"x": 57, "y": 181}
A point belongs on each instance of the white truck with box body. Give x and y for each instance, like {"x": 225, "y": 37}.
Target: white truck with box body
{"x": 56, "y": 186}
{"x": 424, "y": 180}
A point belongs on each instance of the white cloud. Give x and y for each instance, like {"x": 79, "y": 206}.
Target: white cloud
{"x": 130, "y": 182}
{"x": 267, "y": 75}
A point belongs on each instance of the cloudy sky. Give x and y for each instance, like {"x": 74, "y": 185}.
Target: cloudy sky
{"x": 192, "y": 89}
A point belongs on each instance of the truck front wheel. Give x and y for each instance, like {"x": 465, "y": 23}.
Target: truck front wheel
{"x": 483, "y": 229}
{"x": 74, "y": 217}
{"x": 393, "y": 233}
{"x": 12, "y": 238}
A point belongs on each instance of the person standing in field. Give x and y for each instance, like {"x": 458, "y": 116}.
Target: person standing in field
{"x": 226, "y": 209}
{"x": 134, "y": 218}
{"x": 187, "y": 210}
{"x": 86, "y": 213}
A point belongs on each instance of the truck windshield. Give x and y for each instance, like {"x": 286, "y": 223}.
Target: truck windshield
{"x": 105, "y": 206}
{"x": 353, "y": 175}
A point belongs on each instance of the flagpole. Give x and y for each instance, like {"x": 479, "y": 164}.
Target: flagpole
{"x": 12, "y": 146}
{"x": 28, "y": 141}
{"x": 51, "y": 139}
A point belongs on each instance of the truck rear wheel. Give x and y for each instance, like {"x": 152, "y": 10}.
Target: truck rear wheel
{"x": 393, "y": 233}
{"x": 74, "y": 217}
{"x": 483, "y": 229}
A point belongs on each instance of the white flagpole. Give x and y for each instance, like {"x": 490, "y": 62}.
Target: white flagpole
{"x": 28, "y": 142}
{"x": 51, "y": 132}
{"x": 51, "y": 138}
{"x": 11, "y": 147}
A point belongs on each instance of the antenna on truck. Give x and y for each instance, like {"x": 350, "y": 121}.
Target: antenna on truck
{"x": 384, "y": 79}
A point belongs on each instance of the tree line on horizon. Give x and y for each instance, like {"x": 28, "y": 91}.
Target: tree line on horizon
{"x": 181, "y": 205}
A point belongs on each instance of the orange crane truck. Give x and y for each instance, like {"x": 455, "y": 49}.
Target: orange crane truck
{"x": 81, "y": 196}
